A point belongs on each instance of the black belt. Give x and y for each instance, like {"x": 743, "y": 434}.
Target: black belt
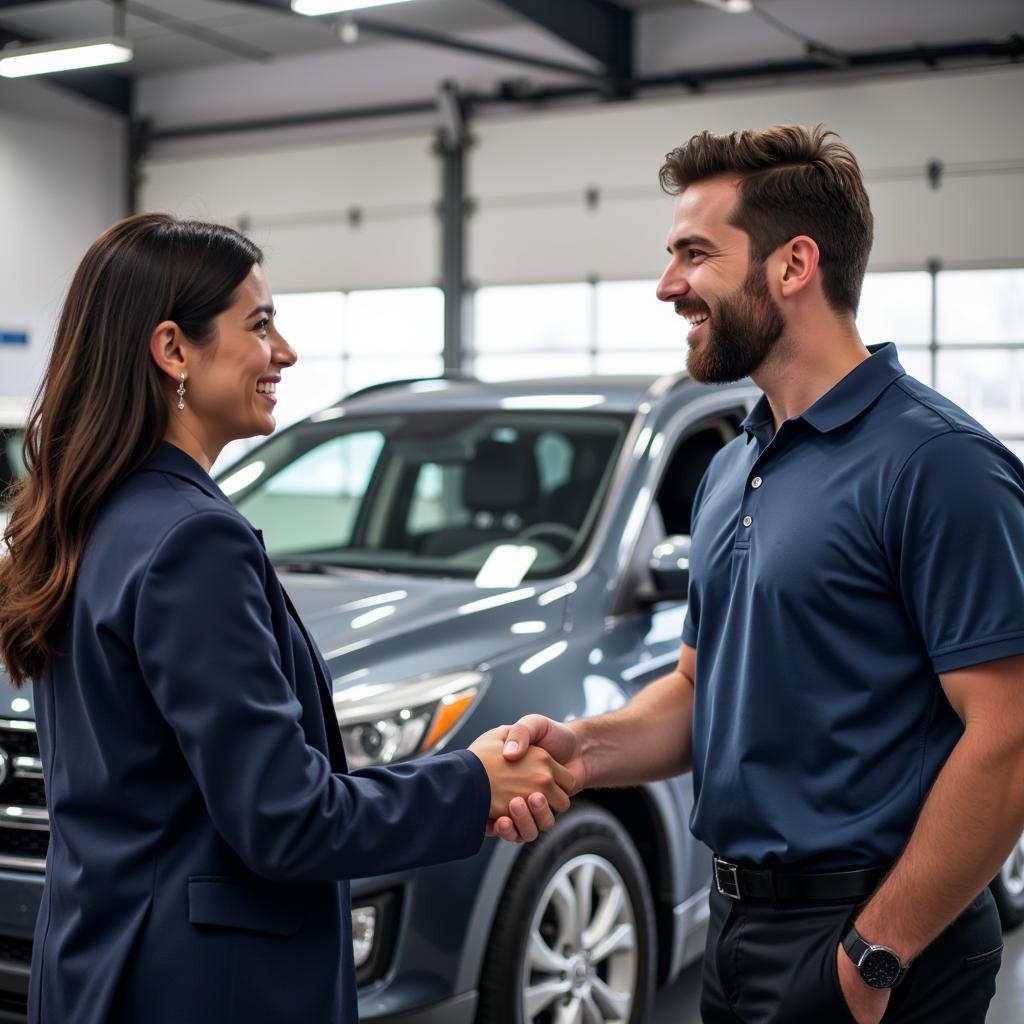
{"x": 779, "y": 886}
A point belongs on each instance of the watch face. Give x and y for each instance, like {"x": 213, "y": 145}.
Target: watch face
{"x": 880, "y": 968}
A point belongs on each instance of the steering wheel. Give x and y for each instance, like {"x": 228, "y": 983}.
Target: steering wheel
{"x": 566, "y": 535}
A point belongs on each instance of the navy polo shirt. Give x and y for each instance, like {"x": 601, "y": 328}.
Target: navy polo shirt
{"x": 837, "y": 567}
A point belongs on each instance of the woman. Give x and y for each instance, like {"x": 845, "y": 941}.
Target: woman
{"x": 200, "y": 812}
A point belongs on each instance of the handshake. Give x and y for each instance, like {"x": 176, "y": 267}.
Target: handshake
{"x": 534, "y": 767}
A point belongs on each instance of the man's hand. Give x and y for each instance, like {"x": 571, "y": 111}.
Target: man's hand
{"x": 866, "y": 1004}
{"x": 536, "y": 773}
{"x": 647, "y": 739}
{"x": 526, "y": 818}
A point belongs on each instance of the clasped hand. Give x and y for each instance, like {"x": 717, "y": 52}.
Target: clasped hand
{"x": 533, "y": 768}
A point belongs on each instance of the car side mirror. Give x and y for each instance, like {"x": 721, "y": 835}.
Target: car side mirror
{"x": 670, "y": 568}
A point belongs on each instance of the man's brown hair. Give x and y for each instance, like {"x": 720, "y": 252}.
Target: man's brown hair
{"x": 792, "y": 181}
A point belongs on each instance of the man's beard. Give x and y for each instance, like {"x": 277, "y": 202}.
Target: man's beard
{"x": 741, "y": 333}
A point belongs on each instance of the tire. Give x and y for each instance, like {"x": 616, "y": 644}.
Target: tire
{"x": 1008, "y": 888}
{"x": 573, "y": 939}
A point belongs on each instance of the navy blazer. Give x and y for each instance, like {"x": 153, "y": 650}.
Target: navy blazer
{"x": 200, "y": 834}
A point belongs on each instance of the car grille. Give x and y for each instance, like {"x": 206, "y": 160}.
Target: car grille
{"x": 24, "y": 823}
{"x": 18, "y": 951}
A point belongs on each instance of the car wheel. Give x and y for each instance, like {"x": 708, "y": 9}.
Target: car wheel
{"x": 1008, "y": 888}
{"x": 573, "y": 938}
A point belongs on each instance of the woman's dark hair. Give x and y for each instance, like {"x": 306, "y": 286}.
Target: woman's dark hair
{"x": 102, "y": 408}
{"x": 792, "y": 181}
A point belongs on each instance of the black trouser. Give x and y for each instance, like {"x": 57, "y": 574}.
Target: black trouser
{"x": 765, "y": 965}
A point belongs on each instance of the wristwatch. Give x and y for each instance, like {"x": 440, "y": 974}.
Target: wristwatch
{"x": 878, "y": 966}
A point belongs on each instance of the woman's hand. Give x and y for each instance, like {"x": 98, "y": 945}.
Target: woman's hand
{"x": 525, "y": 819}
{"x": 535, "y": 777}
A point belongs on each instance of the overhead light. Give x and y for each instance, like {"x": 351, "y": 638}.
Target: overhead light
{"x": 315, "y": 7}
{"x": 46, "y": 58}
{"x": 730, "y": 6}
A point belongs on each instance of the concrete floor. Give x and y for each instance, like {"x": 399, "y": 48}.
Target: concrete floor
{"x": 679, "y": 1004}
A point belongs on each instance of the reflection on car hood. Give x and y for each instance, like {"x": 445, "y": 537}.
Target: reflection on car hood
{"x": 417, "y": 626}
{"x": 400, "y": 627}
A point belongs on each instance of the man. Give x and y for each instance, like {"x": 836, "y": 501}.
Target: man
{"x": 850, "y": 689}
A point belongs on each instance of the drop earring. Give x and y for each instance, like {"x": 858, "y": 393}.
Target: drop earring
{"x": 181, "y": 393}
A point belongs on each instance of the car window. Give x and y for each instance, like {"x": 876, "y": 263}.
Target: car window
{"x": 554, "y": 460}
{"x": 313, "y": 501}
{"x": 12, "y": 464}
{"x": 437, "y": 499}
{"x": 446, "y": 492}
{"x": 677, "y": 490}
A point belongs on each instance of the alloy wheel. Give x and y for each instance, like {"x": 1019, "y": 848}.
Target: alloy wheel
{"x": 582, "y": 954}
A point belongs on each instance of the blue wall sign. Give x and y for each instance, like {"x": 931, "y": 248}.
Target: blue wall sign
{"x": 11, "y": 337}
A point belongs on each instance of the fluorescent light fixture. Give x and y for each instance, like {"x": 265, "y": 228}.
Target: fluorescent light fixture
{"x": 729, "y": 6}
{"x": 46, "y": 58}
{"x": 315, "y": 7}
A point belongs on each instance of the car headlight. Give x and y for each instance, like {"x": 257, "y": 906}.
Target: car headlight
{"x": 388, "y": 722}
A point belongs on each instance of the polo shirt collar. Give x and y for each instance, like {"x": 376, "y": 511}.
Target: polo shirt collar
{"x": 169, "y": 458}
{"x": 845, "y": 401}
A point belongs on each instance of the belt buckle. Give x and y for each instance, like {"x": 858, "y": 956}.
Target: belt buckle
{"x": 727, "y": 878}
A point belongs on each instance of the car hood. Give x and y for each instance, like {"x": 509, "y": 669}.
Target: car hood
{"x": 402, "y": 627}
{"x": 392, "y": 628}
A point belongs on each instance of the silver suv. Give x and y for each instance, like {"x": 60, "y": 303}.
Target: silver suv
{"x": 13, "y": 412}
{"x": 464, "y": 553}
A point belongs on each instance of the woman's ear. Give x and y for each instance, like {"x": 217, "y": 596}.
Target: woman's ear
{"x": 167, "y": 351}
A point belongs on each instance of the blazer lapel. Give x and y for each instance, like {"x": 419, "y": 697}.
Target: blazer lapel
{"x": 335, "y": 747}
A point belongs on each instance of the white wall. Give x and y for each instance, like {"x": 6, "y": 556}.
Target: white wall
{"x": 528, "y": 174}
{"x": 61, "y": 183}
{"x": 294, "y": 202}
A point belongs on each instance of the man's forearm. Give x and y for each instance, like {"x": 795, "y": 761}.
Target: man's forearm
{"x": 968, "y": 825}
{"x": 650, "y": 738}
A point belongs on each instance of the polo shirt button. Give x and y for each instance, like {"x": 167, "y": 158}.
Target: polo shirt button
{"x": 756, "y": 482}
{"x": 747, "y": 520}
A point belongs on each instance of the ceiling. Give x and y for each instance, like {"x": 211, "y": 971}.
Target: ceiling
{"x": 669, "y": 38}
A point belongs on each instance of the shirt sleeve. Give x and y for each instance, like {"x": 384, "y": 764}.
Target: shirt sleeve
{"x": 954, "y": 534}
{"x": 205, "y": 642}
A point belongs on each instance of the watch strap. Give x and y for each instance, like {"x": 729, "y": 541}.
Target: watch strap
{"x": 856, "y": 947}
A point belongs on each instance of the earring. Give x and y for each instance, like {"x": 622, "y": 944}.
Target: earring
{"x": 181, "y": 393}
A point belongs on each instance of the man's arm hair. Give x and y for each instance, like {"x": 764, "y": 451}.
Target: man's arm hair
{"x": 648, "y": 739}
{"x": 971, "y": 819}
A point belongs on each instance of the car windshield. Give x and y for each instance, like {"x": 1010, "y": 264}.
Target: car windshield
{"x": 498, "y": 496}
{"x": 12, "y": 465}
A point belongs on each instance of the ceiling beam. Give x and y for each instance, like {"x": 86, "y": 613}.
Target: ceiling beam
{"x": 417, "y": 35}
{"x": 281, "y": 6}
{"x": 111, "y": 91}
{"x": 5, "y": 4}
{"x": 407, "y": 33}
{"x": 599, "y": 28}
{"x": 980, "y": 52}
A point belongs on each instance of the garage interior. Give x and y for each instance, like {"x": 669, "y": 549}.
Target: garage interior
{"x": 468, "y": 188}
